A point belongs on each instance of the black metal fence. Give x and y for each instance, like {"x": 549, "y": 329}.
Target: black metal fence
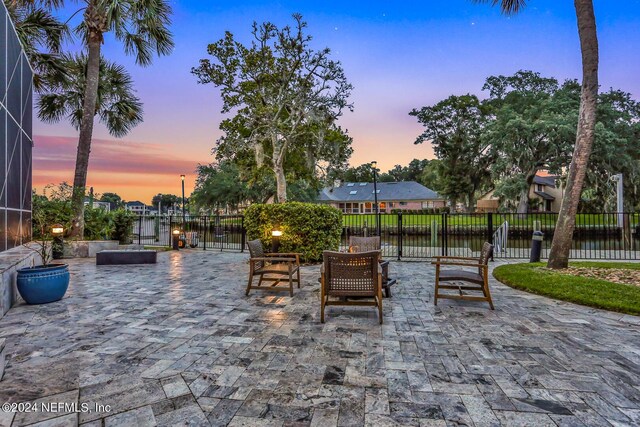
{"x": 421, "y": 235}
{"x": 205, "y": 232}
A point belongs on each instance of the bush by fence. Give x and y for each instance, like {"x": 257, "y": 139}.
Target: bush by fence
{"x": 306, "y": 228}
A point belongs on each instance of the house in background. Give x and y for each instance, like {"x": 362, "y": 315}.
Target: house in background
{"x": 358, "y": 197}
{"x": 545, "y": 195}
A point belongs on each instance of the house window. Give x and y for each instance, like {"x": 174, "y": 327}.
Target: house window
{"x": 353, "y": 192}
{"x": 391, "y": 204}
{"x": 428, "y": 204}
{"x": 383, "y": 206}
{"x": 377, "y": 192}
{"x": 350, "y": 184}
{"x": 540, "y": 187}
{"x": 362, "y": 184}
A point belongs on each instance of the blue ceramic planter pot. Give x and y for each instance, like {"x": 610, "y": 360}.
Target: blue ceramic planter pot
{"x": 43, "y": 284}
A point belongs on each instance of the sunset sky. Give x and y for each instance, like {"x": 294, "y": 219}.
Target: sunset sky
{"x": 397, "y": 56}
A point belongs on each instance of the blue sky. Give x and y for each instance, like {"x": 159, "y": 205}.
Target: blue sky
{"x": 397, "y": 56}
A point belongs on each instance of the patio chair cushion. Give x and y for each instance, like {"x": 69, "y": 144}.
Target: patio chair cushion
{"x": 279, "y": 268}
{"x": 463, "y": 275}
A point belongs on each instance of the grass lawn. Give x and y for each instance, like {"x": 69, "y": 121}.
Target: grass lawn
{"x": 587, "y": 291}
{"x": 547, "y": 220}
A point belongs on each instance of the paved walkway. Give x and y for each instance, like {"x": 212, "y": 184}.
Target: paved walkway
{"x": 179, "y": 343}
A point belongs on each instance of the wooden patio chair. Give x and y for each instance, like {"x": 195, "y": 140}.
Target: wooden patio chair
{"x": 479, "y": 280}
{"x": 367, "y": 244}
{"x": 277, "y": 267}
{"x": 345, "y": 275}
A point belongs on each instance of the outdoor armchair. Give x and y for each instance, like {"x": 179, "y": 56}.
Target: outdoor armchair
{"x": 276, "y": 267}
{"x": 476, "y": 275}
{"x": 366, "y": 244}
{"x": 350, "y": 275}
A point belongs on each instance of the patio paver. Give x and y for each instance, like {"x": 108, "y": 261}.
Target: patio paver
{"x": 179, "y": 343}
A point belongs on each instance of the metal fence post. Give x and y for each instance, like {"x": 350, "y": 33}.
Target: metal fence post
{"x": 203, "y": 229}
{"x": 445, "y": 249}
{"x": 399, "y": 230}
{"x": 139, "y": 229}
{"x": 243, "y": 233}
{"x": 490, "y": 227}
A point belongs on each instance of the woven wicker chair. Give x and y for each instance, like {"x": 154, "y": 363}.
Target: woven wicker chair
{"x": 278, "y": 267}
{"x": 366, "y": 244}
{"x": 479, "y": 279}
{"x": 345, "y": 275}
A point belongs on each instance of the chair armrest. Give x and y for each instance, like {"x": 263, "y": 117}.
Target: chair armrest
{"x": 271, "y": 259}
{"x": 461, "y": 264}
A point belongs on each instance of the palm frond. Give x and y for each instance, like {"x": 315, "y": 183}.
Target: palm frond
{"x": 508, "y": 7}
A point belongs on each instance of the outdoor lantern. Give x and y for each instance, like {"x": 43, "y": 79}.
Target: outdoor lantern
{"x": 57, "y": 248}
{"x": 175, "y": 239}
{"x": 275, "y": 239}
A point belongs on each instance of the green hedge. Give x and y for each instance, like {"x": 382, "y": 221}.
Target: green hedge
{"x": 307, "y": 228}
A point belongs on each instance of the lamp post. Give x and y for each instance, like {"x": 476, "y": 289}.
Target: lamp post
{"x": 374, "y": 165}
{"x": 183, "y": 217}
{"x": 57, "y": 248}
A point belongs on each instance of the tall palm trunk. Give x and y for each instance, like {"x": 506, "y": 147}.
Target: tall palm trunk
{"x": 94, "y": 43}
{"x": 563, "y": 236}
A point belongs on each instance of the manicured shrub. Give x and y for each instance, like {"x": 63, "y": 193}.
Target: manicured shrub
{"x": 307, "y": 228}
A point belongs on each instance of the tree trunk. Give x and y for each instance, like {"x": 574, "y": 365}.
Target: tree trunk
{"x": 563, "y": 235}
{"x": 281, "y": 183}
{"x": 523, "y": 203}
{"x": 86, "y": 132}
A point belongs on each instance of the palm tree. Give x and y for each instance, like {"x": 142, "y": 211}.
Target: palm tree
{"x": 142, "y": 26}
{"x": 41, "y": 35}
{"x": 117, "y": 107}
{"x": 563, "y": 235}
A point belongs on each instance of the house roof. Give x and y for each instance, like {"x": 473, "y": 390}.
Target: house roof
{"x": 549, "y": 180}
{"x": 387, "y": 191}
{"x": 545, "y": 196}
{"x": 135, "y": 203}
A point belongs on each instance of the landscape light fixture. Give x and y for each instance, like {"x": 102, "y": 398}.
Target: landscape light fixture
{"x": 374, "y": 166}
{"x": 175, "y": 239}
{"x": 57, "y": 247}
{"x": 276, "y": 233}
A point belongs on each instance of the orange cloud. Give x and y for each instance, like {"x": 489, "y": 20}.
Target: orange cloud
{"x": 132, "y": 169}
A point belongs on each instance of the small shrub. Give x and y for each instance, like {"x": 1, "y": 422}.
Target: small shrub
{"x": 307, "y": 228}
{"x": 98, "y": 224}
{"x": 122, "y": 225}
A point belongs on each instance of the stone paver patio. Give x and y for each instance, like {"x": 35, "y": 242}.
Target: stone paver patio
{"x": 178, "y": 343}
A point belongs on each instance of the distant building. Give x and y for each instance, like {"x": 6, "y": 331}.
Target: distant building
{"x": 358, "y": 197}
{"x": 545, "y": 195}
{"x": 136, "y": 207}
{"x": 98, "y": 204}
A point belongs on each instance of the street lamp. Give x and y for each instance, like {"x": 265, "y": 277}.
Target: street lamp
{"x": 374, "y": 165}
{"x": 183, "y": 217}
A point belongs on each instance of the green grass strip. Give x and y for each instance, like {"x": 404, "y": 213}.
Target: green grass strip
{"x": 579, "y": 290}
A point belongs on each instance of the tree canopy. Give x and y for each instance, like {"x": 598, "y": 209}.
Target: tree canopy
{"x": 285, "y": 96}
